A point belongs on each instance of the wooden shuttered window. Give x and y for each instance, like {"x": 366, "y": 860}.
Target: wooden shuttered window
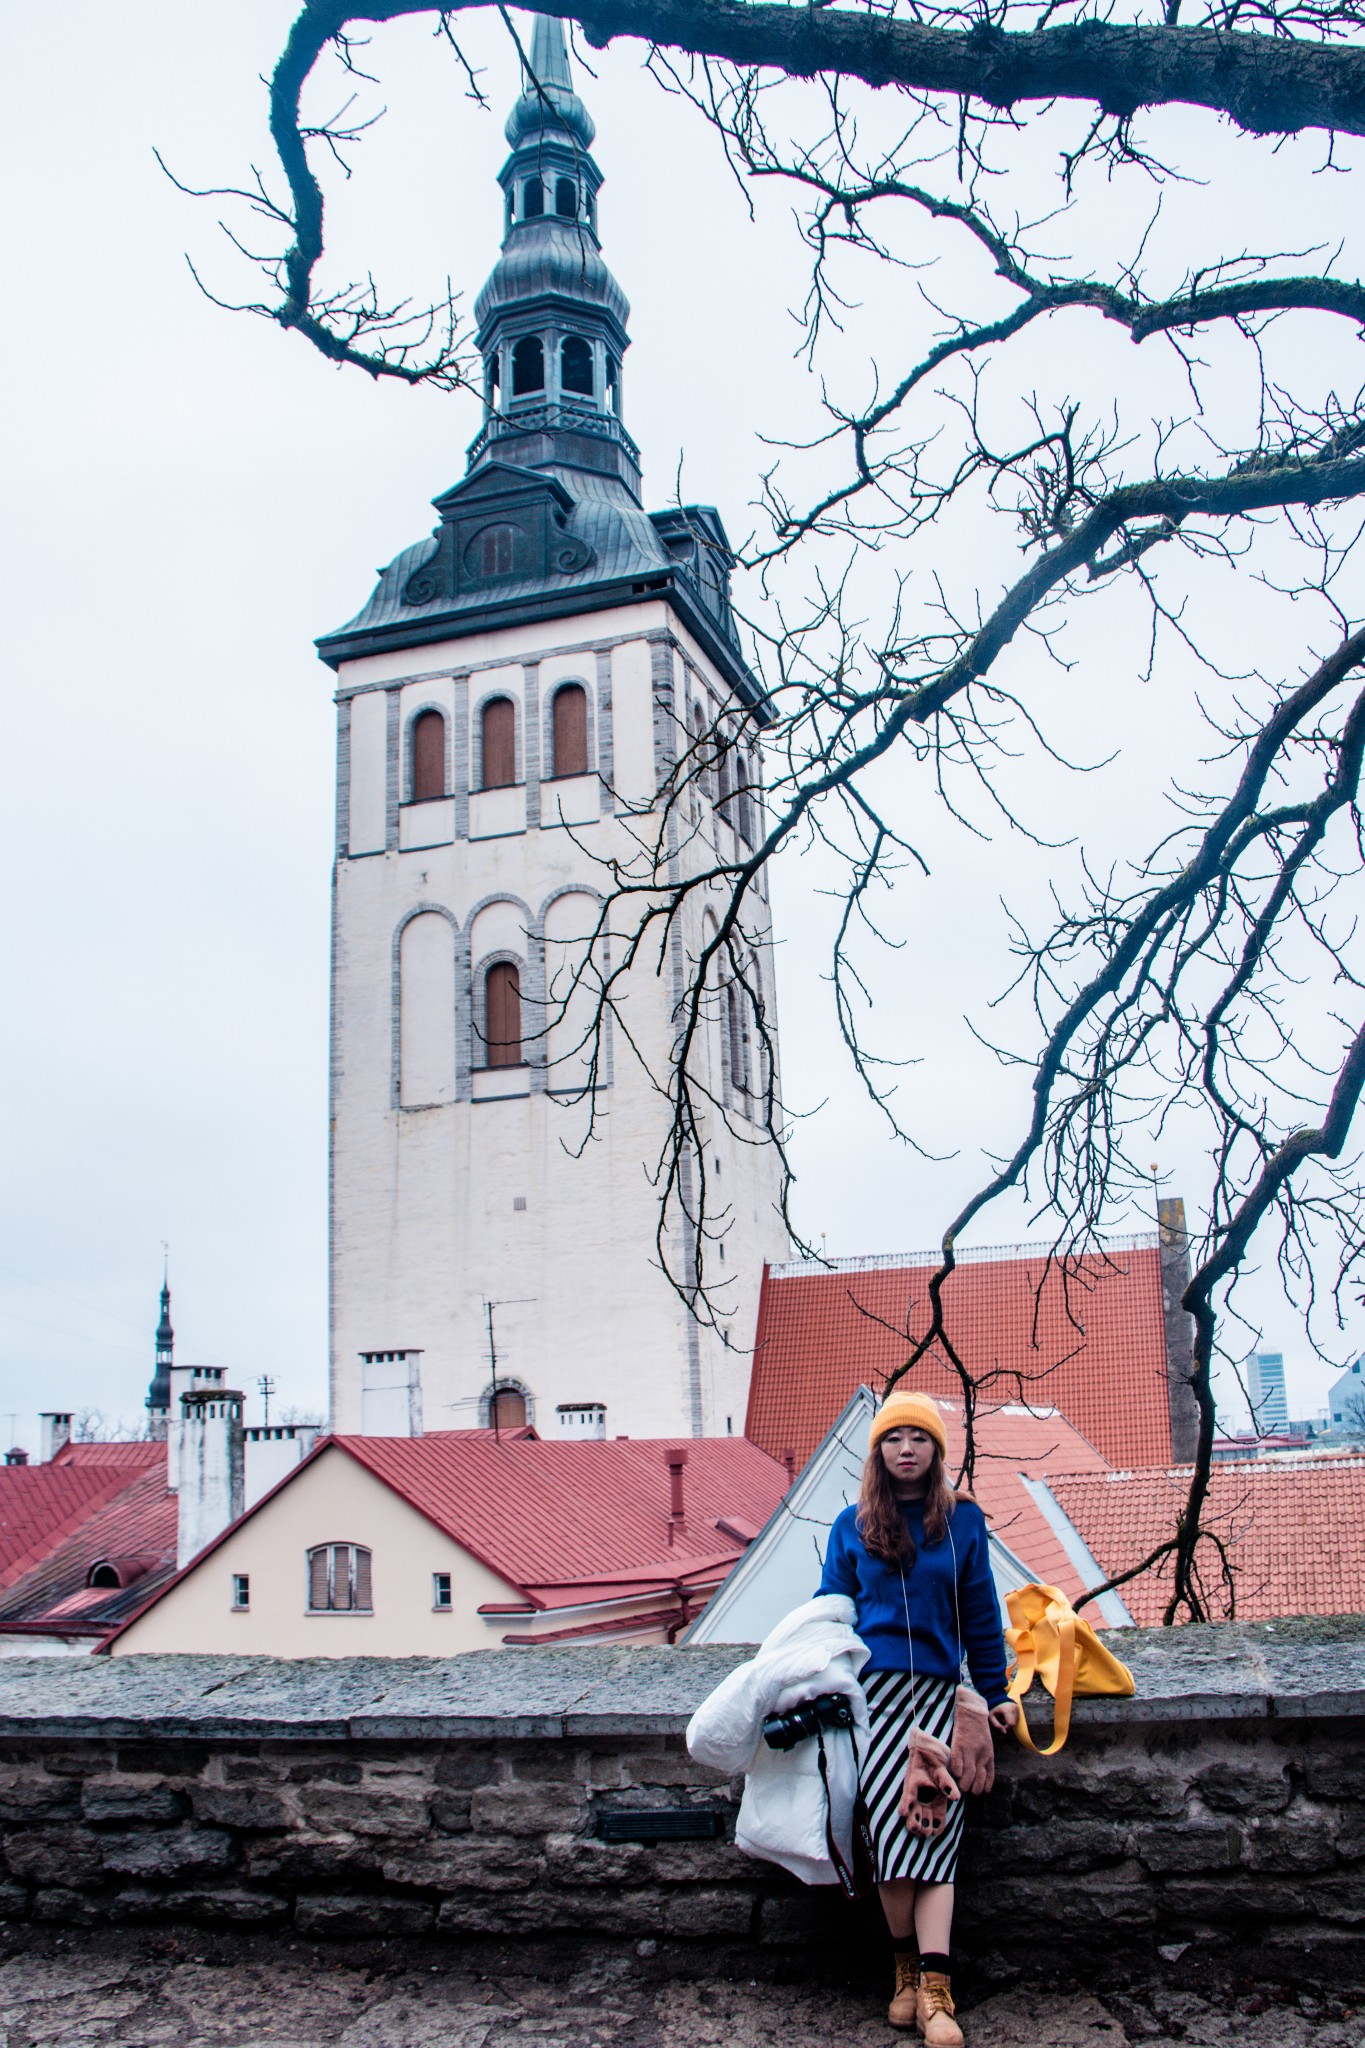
{"x": 569, "y": 718}
{"x": 363, "y": 1598}
{"x": 498, "y": 734}
{"x": 428, "y": 757}
{"x": 339, "y": 1579}
{"x": 502, "y": 1014}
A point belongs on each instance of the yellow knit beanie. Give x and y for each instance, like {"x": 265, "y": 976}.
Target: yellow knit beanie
{"x": 909, "y": 1411}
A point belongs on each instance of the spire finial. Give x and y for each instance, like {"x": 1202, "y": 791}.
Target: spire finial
{"x": 549, "y": 54}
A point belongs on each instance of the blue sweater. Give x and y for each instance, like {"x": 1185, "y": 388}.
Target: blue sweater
{"x": 935, "y": 1615}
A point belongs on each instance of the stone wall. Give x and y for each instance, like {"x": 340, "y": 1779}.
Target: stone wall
{"x": 1224, "y": 1809}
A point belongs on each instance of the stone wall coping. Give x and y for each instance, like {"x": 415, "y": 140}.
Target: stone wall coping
{"x": 1308, "y": 1668}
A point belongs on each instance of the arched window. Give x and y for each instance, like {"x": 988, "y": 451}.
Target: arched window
{"x": 703, "y": 779}
{"x": 498, "y": 736}
{"x": 744, "y": 801}
{"x": 575, "y": 365}
{"x": 569, "y": 730}
{"x": 533, "y": 199}
{"x": 507, "y": 1409}
{"x": 739, "y": 1039}
{"x": 566, "y": 198}
{"x": 528, "y": 365}
{"x": 493, "y": 379}
{"x": 428, "y": 757}
{"x": 502, "y": 1015}
{"x": 339, "y": 1579}
{"x": 613, "y": 385}
{"x": 497, "y": 550}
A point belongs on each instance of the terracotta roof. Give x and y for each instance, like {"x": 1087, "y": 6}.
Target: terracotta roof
{"x": 1091, "y": 1344}
{"x": 568, "y": 1523}
{"x": 1294, "y": 1529}
{"x": 1014, "y": 1442}
{"x": 77, "y": 1513}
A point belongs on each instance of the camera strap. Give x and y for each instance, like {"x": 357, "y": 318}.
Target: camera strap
{"x": 862, "y": 1834}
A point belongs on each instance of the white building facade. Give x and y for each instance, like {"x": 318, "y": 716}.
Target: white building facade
{"x": 511, "y": 701}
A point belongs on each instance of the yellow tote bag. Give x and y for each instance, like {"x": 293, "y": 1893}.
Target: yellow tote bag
{"x": 1052, "y": 1642}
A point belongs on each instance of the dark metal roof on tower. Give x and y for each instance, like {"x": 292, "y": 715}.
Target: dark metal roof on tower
{"x": 159, "y": 1392}
{"x": 548, "y": 520}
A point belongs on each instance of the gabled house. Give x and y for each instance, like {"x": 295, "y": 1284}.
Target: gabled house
{"x": 1029, "y": 1537}
{"x": 463, "y": 1540}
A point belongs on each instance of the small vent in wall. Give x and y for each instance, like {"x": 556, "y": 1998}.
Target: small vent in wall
{"x": 659, "y": 1824}
{"x": 518, "y": 1201}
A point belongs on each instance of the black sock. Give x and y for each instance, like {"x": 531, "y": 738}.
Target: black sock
{"x": 942, "y": 1966}
{"x": 905, "y": 1947}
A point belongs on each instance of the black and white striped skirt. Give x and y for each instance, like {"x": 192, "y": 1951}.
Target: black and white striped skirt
{"x": 897, "y": 1702}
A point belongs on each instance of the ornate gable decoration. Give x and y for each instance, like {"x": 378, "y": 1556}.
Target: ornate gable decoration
{"x": 501, "y": 525}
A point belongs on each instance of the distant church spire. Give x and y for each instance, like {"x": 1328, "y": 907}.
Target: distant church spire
{"x": 159, "y": 1393}
{"x": 552, "y": 318}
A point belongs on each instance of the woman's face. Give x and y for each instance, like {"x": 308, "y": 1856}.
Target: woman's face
{"x": 908, "y": 1455}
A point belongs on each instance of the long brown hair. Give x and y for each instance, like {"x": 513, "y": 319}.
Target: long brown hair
{"x": 881, "y": 1523}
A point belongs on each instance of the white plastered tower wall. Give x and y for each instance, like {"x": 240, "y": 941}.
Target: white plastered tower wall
{"x": 443, "y": 1205}
{"x": 460, "y": 1180}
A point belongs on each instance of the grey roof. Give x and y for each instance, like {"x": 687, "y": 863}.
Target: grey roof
{"x": 552, "y": 258}
{"x": 622, "y": 538}
{"x": 552, "y": 486}
{"x": 555, "y": 103}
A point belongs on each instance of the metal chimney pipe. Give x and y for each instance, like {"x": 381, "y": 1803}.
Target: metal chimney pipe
{"x": 676, "y": 1460}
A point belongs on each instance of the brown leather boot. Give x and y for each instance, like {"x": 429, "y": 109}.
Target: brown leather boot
{"x": 904, "y": 2007}
{"x": 934, "y": 2011}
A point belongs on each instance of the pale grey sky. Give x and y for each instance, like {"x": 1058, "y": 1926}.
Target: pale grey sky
{"x": 191, "y": 497}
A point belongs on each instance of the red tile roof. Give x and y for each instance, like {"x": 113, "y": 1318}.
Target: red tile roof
{"x": 566, "y": 1524}
{"x": 58, "y": 1520}
{"x": 142, "y": 1454}
{"x": 40, "y": 1505}
{"x": 1011, "y": 1442}
{"x": 573, "y": 1522}
{"x": 1091, "y": 1344}
{"x": 1294, "y": 1529}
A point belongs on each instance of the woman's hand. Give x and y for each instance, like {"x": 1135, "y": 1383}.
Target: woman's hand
{"x": 1004, "y": 1716}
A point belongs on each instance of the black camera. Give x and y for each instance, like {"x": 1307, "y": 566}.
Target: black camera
{"x": 807, "y": 1718}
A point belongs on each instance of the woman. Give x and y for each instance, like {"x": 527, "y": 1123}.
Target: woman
{"x": 914, "y": 1559}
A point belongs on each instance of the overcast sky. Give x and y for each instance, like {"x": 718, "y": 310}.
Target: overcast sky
{"x": 190, "y": 497}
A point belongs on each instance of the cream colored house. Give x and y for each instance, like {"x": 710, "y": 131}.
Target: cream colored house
{"x": 466, "y": 1540}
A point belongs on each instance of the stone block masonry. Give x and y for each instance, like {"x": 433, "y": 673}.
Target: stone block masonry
{"x": 1220, "y": 1814}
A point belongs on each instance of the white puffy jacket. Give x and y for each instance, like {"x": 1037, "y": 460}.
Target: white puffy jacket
{"x": 782, "y": 1814}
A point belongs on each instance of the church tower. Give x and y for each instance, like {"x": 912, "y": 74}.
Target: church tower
{"x": 159, "y": 1392}
{"x": 510, "y": 702}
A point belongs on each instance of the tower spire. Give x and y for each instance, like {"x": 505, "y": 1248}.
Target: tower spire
{"x": 552, "y": 318}
{"x": 550, "y": 52}
{"x": 159, "y": 1392}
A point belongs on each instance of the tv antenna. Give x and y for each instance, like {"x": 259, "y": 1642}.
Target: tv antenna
{"x": 514, "y": 1301}
{"x": 266, "y": 1387}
